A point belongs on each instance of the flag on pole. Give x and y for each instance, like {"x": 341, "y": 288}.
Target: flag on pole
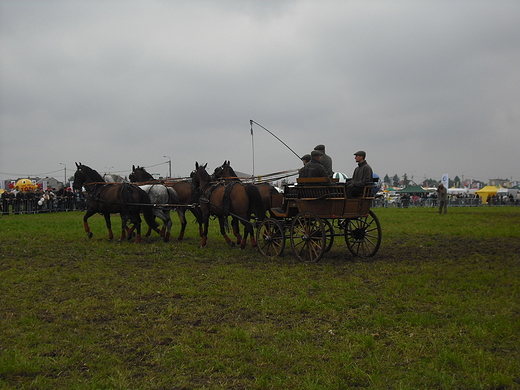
{"x": 445, "y": 180}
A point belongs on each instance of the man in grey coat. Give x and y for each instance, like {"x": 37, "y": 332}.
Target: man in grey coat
{"x": 326, "y": 161}
{"x": 362, "y": 176}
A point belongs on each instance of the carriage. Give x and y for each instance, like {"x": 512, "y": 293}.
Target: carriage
{"x": 312, "y": 213}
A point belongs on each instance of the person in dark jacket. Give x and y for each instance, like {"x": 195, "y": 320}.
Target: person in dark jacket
{"x": 313, "y": 168}
{"x": 326, "y": 160}
{"x": 362, "y": 176}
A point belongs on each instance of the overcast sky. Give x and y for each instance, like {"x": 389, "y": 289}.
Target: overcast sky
{"x": 424, "y": 87}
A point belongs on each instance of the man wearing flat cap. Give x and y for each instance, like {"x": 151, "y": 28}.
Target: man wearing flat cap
{"x": 326, "y": 161}
{"x": 305, "y": 159}
{"x": 362, "y": 176}
{"x": 313, "y": 168}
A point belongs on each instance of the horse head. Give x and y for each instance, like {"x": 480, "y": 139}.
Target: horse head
{"x": 200, "y": 176}
{"x": 139, "y": 174}
{"x": 85, "y": 174}
{"x": 224, "y": 172}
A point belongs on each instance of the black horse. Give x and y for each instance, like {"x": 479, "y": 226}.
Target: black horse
{"x": 224, "y": 199}
{"x": 126, "y": 199}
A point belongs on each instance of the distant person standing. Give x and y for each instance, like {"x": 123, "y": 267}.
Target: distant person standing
{"x": 326, "y": 161}
{"x": 362, "y": 176}
{"x": 443, "y": 198}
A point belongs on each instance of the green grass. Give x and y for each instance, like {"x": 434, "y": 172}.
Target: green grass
{"x": 436, "y": 308}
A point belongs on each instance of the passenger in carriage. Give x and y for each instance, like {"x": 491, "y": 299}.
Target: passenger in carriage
{"x": 305, "y": 159}
{"x": 313, "y": 168}
{"x": 362, "y": 176}
{"x": 326, "y": 160}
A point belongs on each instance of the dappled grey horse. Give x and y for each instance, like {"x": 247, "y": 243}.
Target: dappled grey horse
{"x": 163, "y": 199}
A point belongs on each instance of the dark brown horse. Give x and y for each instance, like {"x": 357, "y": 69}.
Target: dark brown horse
{"x": 125, "y": 199}
{"x": 224, "y": 199}
{"x": 185, "y": 194}
{"x": 226, "y": 173}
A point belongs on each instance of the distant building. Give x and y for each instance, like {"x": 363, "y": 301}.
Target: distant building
{"x": 51, "y": 182}
{"x": 500, "y": 182}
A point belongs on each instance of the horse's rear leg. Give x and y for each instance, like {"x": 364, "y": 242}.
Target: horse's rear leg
{"x": 181, "y": 212}
{"x": 222, "y": 222}
{"x": 236, "y": 231}
{"x": 166, "y": 230}
{"x": 108, "y": 222}
{"x": 136, "y": 222}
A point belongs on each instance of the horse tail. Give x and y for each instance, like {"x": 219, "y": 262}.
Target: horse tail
{"x": 256, "y": 203}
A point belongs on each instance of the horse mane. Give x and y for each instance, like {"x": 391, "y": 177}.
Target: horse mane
{"x": 91, "y": 173}
{"x": 231, "y": 172}
{"x": 147, "y": 176}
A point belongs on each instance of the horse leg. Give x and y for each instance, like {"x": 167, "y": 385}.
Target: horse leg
{"x": 252, "y": 232}
{"x": 108, "y": 222}
{"x": 247, "y": 231}
{"x": 88, "y": 214}
{"x": 135, "y": 219}
{"x": 222, "y": 222}
{"x": 181, "y": 212}
{"x": 124, "y": 227}
{"x": 204, "y": 233}
{"x": 236, "y": 230}
{"x": 156, "y": 213}
{"x": 164, "y": 215}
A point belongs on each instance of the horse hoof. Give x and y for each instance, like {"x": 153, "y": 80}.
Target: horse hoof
{"x": 89, "y": 234}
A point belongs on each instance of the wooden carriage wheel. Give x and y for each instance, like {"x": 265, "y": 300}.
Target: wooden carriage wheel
{"x": 308, "y": 237}
{"x": 329, "y": 234}
{"x": 363, "y": 235}
{"x": 270, "y": 237}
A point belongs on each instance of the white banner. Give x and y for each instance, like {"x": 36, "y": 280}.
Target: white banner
{"x": 445, "y": 180}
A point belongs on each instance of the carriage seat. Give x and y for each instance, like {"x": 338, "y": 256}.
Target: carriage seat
{"x": 315, "y": 180}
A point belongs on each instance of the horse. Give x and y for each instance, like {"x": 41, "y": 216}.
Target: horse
{"x": 113, "y": 178}
{"x": 163, "y": 198}
{"x": 185, "y": 196}
{"x": 226, "y": 173}
{"x": 109, "y": 198}
{"x": 223, "y": 199}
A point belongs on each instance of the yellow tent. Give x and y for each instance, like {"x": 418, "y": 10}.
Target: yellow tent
{"x": 485, "y": 192}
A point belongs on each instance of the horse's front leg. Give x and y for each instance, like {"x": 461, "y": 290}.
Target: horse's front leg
{"x": 88, "y": 214}
{"x": 204, "y": 233}
{"x": 204, "y": 220}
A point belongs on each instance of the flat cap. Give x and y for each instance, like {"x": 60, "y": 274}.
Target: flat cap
{"x": 319, "y": 147}
{"x": 306, "y": 157}
{"x": 316, "y": 153}
{"x": 360, "y": 153}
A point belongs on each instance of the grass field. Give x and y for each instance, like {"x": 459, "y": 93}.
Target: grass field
{"x": 438, "y": 307}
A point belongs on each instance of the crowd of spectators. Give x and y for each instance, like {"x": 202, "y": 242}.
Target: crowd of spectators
{"x": 40, "y": 201}
{"x": 454, "y": 200}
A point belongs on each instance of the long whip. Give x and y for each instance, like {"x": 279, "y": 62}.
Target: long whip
{"x": 274, "y": 135}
